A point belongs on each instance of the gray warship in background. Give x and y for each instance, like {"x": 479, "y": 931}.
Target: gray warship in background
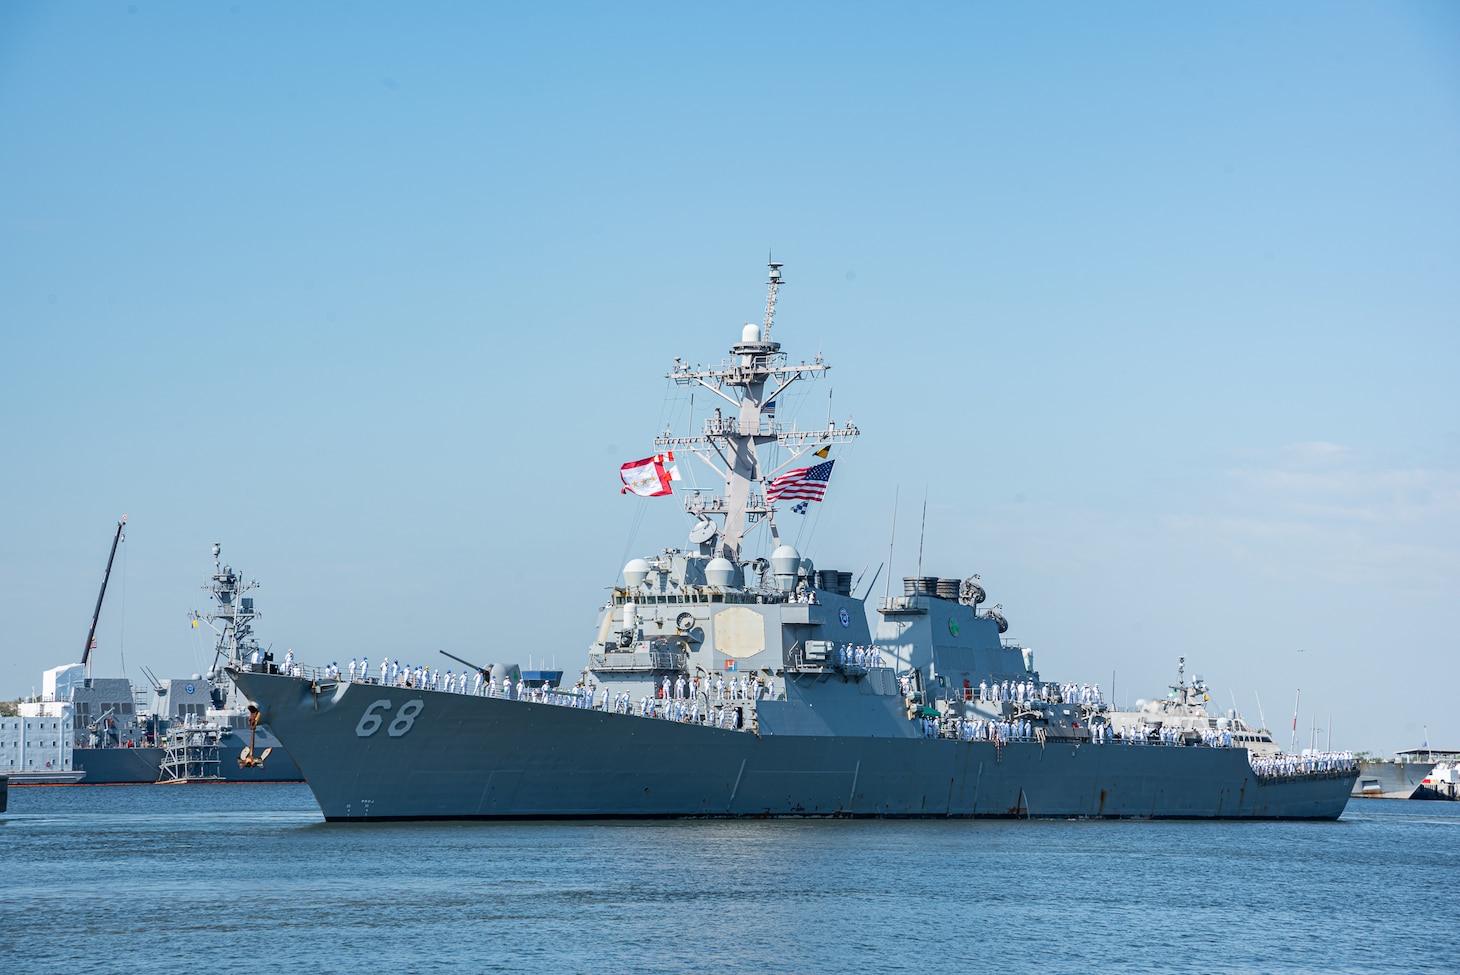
{"x": 721, "y": 685}
{"x": 109, "y": 731}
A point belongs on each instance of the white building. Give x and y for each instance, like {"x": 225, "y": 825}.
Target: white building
{"x": 40, "y": 740}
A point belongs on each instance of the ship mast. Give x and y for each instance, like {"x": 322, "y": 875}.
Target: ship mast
{"x": 232, "y": 618}
{"x": 758, "y": 373}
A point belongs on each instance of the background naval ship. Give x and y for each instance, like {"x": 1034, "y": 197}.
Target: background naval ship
{"x": 108, "y": 731}
{"x": 720, "y": 685}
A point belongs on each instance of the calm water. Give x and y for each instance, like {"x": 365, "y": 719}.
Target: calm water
{"x": 248, "y": 878}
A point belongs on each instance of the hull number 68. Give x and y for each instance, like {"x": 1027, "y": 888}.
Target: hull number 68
{"x": 375, "y": 716}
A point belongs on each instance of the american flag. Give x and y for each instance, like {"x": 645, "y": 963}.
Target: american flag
{"x": 805, "y": 483}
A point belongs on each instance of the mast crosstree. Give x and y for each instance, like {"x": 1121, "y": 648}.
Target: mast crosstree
{"x": 232, "y": 617}
{"x": 730, "y": 444}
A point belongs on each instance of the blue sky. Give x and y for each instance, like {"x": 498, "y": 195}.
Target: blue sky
{"x": 1156, "y": 303}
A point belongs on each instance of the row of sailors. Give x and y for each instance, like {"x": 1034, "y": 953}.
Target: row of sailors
{"x": 1150, "y": 734}
{"x": 1028, "y": 691}
{"x": 743, "y": 688}
{"x": 1288, "y": 765}
{"x": 966, "y": 729}
{"x": 393, "y": 674}
{"x": 806, "y": 597}
{"x": 690, "y": 712}
{"x": 977, "y": 729}
{"x": 1162, "y": 735}
{"x": 1023, "y": 730}
{"x": 854, "y": 656}
{"x": 1003, "y": 731}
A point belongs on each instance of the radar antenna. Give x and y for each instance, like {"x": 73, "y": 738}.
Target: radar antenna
{"x": 231, "y": 619}
{"x": 749, "y": 383}
{"x": 770, "y": 300}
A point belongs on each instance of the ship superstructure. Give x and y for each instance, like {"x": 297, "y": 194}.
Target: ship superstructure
{"x": 722, "y": 684}
{"x": 230, "y": 617}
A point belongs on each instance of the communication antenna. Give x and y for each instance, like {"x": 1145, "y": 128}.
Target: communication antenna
{"x": 868, "y": 590}
{"x": 770, "y": 300}
{"x": 923, "y": 532}
{"x": 891, "y": 542}
{"x": 1260, "y": 716}
{"x": 1299, "y": 697}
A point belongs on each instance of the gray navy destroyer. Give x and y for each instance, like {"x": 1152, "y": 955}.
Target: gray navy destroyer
{"x": 723, "y": 685}
{"x": 104, "y": 731}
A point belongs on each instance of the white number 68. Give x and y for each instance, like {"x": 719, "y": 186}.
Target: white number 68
{"x": 405, "y": 718}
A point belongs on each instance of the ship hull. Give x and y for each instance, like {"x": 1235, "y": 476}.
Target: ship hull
{"x": 1391, "y": 780}
{"x": 464, "y": 757}
{"x": 143, "y": 766}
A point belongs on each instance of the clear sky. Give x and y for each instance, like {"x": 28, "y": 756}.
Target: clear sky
{"x": 1158, "y": 305}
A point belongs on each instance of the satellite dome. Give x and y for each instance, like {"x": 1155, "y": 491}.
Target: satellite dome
{"x": 636, "y": 572}
{"x": 750, "y": 333}
{"x": 720, "y": 572}
{"x": 785, "y": 560}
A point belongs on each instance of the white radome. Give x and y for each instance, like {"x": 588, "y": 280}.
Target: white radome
{"x": 636, "y": 572}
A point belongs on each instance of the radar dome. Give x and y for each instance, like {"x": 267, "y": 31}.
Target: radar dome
{"x": 720, "y": 572}
{"x": 636, "y": 572}
{"x": 785, "y": 560}
{"x": 750, "y": 333}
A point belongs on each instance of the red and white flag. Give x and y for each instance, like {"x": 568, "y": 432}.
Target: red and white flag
{"x": 648, "y": 478}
